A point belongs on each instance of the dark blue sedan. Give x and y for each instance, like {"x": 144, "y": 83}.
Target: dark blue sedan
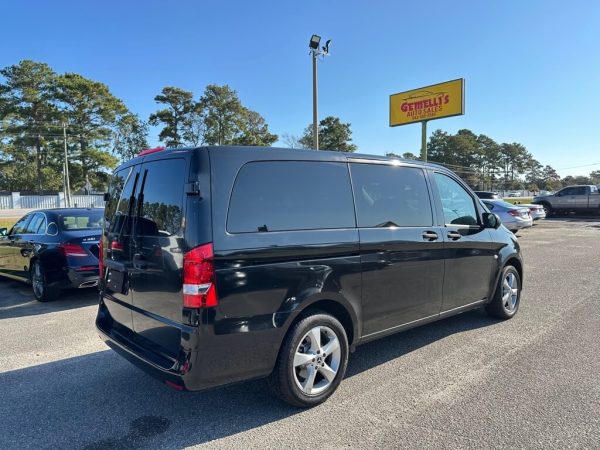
{"x": 53, "y": 249}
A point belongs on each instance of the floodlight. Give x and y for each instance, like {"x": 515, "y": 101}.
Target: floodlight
{"x": 314, "y": 42}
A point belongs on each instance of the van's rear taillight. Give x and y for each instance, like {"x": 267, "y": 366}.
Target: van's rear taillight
{"x": 199, "y": 290}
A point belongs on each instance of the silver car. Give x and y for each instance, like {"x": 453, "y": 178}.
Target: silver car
{"x": 512, "y": 216}
{"x": 535, "y": 211}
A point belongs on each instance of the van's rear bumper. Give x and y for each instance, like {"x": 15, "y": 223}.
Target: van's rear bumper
{"x": 129, "y": 345}
{"x": 205, "y": 359}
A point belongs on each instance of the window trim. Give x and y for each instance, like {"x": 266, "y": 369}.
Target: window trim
{"x": 440, "y": 207}
{"x": 262, "y": 161}
{"x": 27, "y": 216}
{"x": 393, "y": 164}
{"x": 36, "y": 232}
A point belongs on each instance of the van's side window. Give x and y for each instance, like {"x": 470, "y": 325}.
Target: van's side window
{"x": 291, "y": 195}
{"x": 160, "y": 200}
{"x": 458, "y": 205}
{"x": 390, "y": 196}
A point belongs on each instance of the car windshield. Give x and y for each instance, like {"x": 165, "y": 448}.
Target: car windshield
{"x": 80, "y": 220}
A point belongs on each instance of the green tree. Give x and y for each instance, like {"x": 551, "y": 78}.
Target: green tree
{"x": 533, "y": 171}
{"x": 17, "y": 168}
{"x": 438, "y": 147}
{"x": 179, "y": 118}
{"x": 578, "y": 179}
{"x": 405, "y": 155}
{"x": 254, "y": 131}
{"x": 513, "y": 158}
{"x": 227, "y": 122}
{"x": 29, "y": 116}
{"x": 333, "y": 135}
{"x": 130, "y": 136}
{"x": 223, "y": 115}
{"x": 487, "y": 161}
{"x": 550, "y": 178}
{"x": 92, "y": 114}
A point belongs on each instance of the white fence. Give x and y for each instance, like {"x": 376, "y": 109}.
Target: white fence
{"x": 5, "y": 202}
{"x": 87, "y": 201}
{"x": 39, "y": 201}
{"x": 15, "y": 200}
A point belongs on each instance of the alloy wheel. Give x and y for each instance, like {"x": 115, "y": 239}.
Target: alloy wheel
{"x": 510, "y": 292}
{"x": 317, "y": 360}
{"x": 37, "y": 280}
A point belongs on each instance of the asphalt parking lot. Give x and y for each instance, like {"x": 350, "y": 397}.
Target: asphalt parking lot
{"x": 465, "y": 382}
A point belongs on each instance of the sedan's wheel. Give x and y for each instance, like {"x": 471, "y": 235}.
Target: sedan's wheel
{"x": 311, "y": 362}
{"x": 41, "y": 290}
{"x": 506, "y": 299}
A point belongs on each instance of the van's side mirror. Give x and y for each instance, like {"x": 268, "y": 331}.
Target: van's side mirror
{"x": 3, "y": 231}
{"x": 491, "y": 220}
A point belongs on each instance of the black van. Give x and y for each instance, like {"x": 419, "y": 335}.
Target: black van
{"x": 221, "y": 264}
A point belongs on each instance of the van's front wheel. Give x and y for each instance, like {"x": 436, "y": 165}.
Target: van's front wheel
{"x": 507, "y": 297}
{"x": 312, "y": 361}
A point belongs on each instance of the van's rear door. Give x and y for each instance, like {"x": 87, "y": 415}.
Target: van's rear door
{"x": 117, "y": 243}
{"x": 158, "y": 248}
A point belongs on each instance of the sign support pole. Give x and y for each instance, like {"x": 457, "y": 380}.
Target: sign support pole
{"x": 424, "y": 140}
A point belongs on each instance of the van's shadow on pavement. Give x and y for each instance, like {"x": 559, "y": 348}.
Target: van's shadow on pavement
{"x": 17, "y": 300}
{"x": 100, "y": 401}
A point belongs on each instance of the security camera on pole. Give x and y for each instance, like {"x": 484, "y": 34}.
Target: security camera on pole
{"x": 324, "y": 51}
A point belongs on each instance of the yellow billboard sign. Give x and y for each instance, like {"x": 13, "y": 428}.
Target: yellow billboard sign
{"x": 428, "y": 103}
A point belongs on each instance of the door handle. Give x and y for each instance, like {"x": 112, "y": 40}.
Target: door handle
{"x": 454, "y": 235}
{"x": 430, "y": 235}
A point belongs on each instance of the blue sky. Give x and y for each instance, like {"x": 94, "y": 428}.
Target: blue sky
{"x": 532, "y": 68}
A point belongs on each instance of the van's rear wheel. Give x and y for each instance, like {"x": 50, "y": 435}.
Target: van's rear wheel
{"x": 312, "y": 361}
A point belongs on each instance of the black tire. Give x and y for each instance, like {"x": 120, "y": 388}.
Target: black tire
{"x": 549, "y": 211}
{"x": 503, "y": 305}
{"x": 285, "y": 379}
{"x": 39, "y": 284}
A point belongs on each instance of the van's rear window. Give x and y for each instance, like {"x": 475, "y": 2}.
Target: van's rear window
{"x": 84, "y": 220}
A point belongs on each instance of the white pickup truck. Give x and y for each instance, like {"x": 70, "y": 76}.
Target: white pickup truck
{"x": 571, "y": 198}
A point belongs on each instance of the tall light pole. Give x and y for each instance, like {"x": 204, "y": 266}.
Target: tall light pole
{"x": 315, "y": 53}
{"x": 67, "y": 185}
